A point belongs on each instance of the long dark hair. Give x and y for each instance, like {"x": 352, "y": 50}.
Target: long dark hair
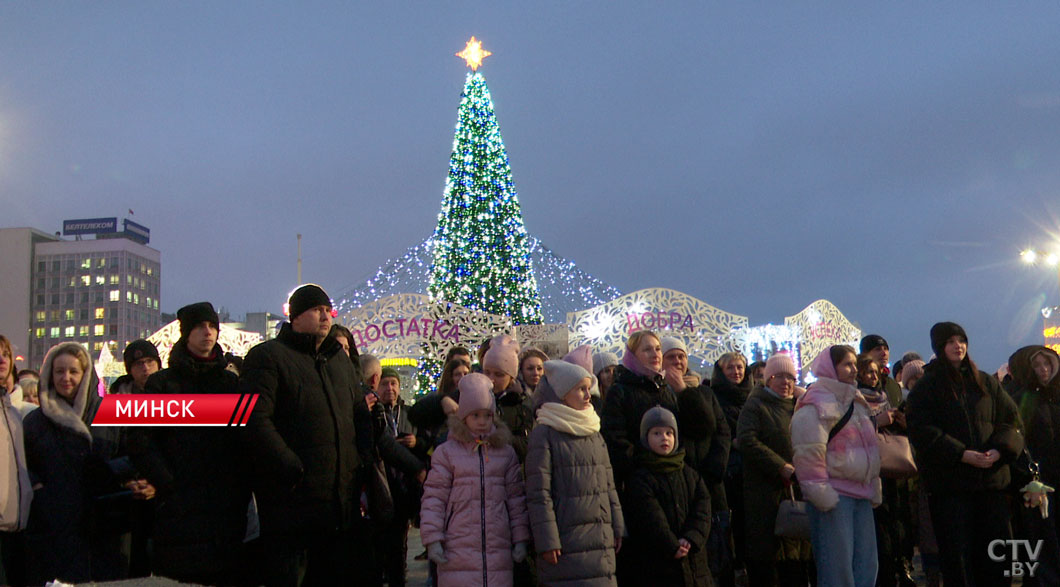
{"x": 953, "y": 377}
{"x": 445, "y": 384}
{"x": 839, "y": 352}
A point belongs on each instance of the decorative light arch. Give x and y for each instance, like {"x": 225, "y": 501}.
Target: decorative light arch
{"x": 232, "y": 340}
{"x": 704, "y": 328}
{"x": 819, "y": 326}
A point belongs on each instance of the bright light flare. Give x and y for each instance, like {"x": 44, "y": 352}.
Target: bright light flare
{"x": 1051, "y": 259}
{"x": 1029, "y": 256}
{"x": 473, "y": 54}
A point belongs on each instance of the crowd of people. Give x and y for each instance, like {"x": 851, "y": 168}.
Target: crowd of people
{"x": 525, "y": 469}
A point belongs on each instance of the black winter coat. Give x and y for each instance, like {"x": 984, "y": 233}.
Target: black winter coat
{"x": 625, "y": 404}
{"x": 202, "y": 485}
{"x": 944, "y": 422}
{"x": 666, "y": 505}
{"x": 301, "y": 438}
{"x": 405, "y": 463}
{"x": 514, "y": 407}
{"x": 764, "y": 431}
{"x": 67, "y": 537}
{"x": 707, "y": 439}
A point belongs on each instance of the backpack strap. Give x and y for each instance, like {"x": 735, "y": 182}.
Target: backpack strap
{"x": 842, "y": 422}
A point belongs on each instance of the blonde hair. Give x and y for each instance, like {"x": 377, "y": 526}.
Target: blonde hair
{"x": 724, "y": 360}
{"x": 74, "y": 350}
{"x": 637, "y": 337}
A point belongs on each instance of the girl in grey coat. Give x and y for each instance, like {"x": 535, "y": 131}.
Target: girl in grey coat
{"x": 575, "y": 516}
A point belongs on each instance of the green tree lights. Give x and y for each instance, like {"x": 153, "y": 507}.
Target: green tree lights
{"x": 481, "y": 248}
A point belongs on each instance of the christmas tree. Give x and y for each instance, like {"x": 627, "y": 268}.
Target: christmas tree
{"x": 481, "y": 248}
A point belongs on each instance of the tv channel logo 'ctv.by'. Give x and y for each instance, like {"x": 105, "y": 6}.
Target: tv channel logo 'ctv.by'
{"x": 1022, "y": 556}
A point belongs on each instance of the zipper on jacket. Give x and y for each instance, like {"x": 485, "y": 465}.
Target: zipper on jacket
{"x": 482, "y": 503}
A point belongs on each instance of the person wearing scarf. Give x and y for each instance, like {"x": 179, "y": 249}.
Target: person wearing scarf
{"x": 67, "y": 460}
{"x": 669, "y": 519}
{"x": 839, "y": 474}
{"x": 639, "y": 386}
{"x": 575, "y": 516}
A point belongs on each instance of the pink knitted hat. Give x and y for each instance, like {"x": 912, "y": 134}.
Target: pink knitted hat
{"x": 582, "y": 357}
{"x": 476, "y": 393}
{"x": 780, "y": 363}
{"x": 503, "y": 355}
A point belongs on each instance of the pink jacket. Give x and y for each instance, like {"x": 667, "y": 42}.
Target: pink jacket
{"x": 473, "y": 501}
{"x": 849, "y": 464}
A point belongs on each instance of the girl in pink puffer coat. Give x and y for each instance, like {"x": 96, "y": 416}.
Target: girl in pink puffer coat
{"x": 839, "y": 473}
{"x": 473, "y": 515}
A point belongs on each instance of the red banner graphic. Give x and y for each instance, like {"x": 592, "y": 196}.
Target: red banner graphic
{"x": 175, "y": 409}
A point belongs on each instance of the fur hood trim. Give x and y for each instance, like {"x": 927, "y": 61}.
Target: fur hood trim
{"x": 55, "y": 407}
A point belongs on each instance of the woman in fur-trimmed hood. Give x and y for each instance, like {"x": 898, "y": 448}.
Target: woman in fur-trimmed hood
{"x": 473, "y": 516}
{"x": 67, "y": 461}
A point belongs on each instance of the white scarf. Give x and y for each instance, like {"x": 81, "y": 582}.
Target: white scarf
{"x": 563, "y": 418}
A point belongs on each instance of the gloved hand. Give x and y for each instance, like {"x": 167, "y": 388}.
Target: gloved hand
{"x": 436, "y": 553}
{"x": 519, "y": 552}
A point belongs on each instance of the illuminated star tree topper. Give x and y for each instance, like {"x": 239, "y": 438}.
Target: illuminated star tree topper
{"x": 481, "y": 248}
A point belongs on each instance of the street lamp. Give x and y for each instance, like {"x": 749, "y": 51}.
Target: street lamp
{"x": 1048, "y": 259}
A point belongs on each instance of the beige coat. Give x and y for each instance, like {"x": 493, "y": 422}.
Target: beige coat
{"x": 16, "y": 493}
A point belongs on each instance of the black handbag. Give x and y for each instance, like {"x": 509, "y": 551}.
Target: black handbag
{"x": 379, "y": 497}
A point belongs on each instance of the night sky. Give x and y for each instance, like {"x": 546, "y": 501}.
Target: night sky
{"x": 892, "y": 159}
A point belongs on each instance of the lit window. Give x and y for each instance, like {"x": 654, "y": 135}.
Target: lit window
{"x": 97, "y": 346}
{"x": 68, "y": 315}
{"x": 136, "y": 298}
{"x": 101, "y": 263}
{"x": 100, "y": 313}
{"x": 40, "y": 316}
{"x": 86, "y": 280}
{"x": 54, "y": 332}
{"x": 39, "y": 333}
{"x": 128, "y": 296}
{"x": 86, "y": 263}
{"x": 100, "y": 280}
{"x": 114, "y": 279}
{"x": 68, "y": 332}
{"x": 143, "y": 268}
{"x": 97, "y": 330}
{"x": 73, "y": 281}
{"x": 150, "y": 270}
{"x": 156, "y": 304}
{"x": 115, "y": 295}
{"x": 82, "y": 330}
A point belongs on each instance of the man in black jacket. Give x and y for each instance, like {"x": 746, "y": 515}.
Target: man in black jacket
{"x": 203, "y": 492}
{"x": 301, "y": 440}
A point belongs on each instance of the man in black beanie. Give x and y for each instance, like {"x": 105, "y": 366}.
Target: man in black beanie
{"x": 203, "y": 489}
{"x": 141, "y": 361}
{"x": 876, "y": 347}
{"x": 302, "y": 443}
{"x": 894, "y": 544}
